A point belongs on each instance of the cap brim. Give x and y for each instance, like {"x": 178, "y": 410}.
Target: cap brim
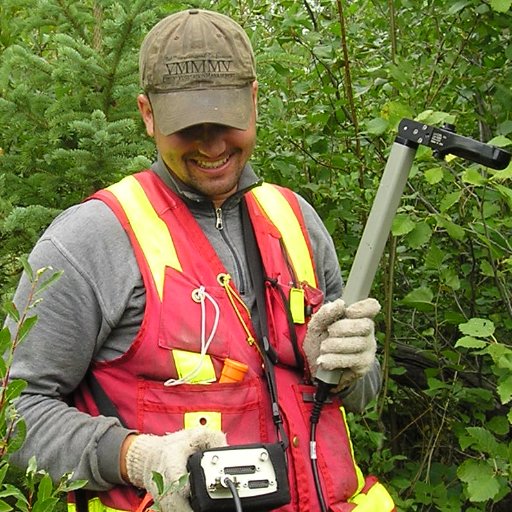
{"x": 174, "y": 111}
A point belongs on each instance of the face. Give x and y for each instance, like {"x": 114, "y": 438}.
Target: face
{"x": 208, "y": 157}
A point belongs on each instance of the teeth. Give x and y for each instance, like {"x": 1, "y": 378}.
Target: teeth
{"x": 211, "y": 165}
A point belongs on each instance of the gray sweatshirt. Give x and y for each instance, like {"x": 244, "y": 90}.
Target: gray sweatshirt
{"x": 93, "y": 312}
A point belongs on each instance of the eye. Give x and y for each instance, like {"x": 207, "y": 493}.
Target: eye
{"x": 191, "y": 132}
{"x": 202, "y": 131}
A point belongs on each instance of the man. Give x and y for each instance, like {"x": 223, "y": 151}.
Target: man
{"x": 174, "y": 272}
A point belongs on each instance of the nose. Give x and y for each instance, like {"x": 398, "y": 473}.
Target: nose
{"x": 210, "y": 139}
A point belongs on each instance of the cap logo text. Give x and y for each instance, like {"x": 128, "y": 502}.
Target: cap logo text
{"x": 209, "y": 67}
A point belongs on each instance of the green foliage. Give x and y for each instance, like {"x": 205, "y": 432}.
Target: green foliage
{"x": 335, "y": 79}
{"x": 34, "y": 491}
{"x": 69, "y": 125}
{"x": 163, "y": 489}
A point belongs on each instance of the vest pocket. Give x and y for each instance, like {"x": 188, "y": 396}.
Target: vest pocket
{"x": 238, "y": 409}
{"x": 194, "y": 314}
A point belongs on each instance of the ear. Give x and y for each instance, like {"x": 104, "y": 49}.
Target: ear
{"x": 255, "y": 96}
{"x": 146, "y": 113}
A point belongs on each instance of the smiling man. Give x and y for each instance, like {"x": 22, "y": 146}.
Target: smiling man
{"x": 175, "y": 274}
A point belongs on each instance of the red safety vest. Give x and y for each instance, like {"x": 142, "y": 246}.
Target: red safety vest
{"x": 195, "y": 319}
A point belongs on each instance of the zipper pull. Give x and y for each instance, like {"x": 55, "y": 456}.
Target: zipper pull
{"x": 218, "y": 222}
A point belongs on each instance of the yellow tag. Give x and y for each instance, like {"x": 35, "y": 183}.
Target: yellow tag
{"x": 209, "y": 419}
{"x": 297, "y": 305}
{"x": 187, "y": 363}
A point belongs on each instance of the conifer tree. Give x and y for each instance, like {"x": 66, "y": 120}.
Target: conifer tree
{"x": 68, "y": 116}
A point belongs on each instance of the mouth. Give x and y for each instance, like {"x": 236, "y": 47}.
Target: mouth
{"x": 210, "y": 164}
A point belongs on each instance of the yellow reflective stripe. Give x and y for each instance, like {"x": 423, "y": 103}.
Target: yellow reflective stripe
{"x": 359, "y": 473}
{"x": 194, "y": 367}
{"x": 281, "y": 214}
{"x": 377, "y": 498}
{"x": 151, "y": 231}
{"x": 95, "y": 505}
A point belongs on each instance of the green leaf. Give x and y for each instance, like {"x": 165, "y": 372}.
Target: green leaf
{"x": 73, "y": 485}
{"x": 449, "y": 200}
{"x": 402, "y": 224}
{"x": 434, "y": 175}
{"x": 450, "y": 278}
{"x": 505, "y": 360}
{"x": 15, "y": 388}
{"x": 11, "y": 490}
{"x": 27, "y": 268}
{"x": 12, "y": 311}
{"x": 377, "y": 126}
{"x": 46, "y": 505}
{"x": 500, "y": 354}
{"x": 435, "y": 257}
{"x": 45, "y": 284}
{"x": 501, "y": 141}
{"x": 480, "y": 439}
{"x": 4, "y": 506}
{"x": 458, "y": 6}
{"x": 420, "y": 235}
{"x": 473, "y": 177}
{"x": 480, "y": 479}
{"x": 505, "y": 389}
{"x": 453, "y": 230}
{"x": 503, "y": 175}
{"x": 435, "y": 117}
{"x": 500, "y": 5}
{"x": 3, "y": 471}
{"x": 470, "y": 342}
{"x": 45, "y": 488}
{"x": 159, "y": 481}
{"x": 182, "y": 482}
{"x": 479, "y": 327}
{"x": 435, "y": 384}
{"x": 486, "y": 268}
{"x": 420, "y": 298}
{"x": 17, "y": 440}
{"x": 499, "y": 425}
{"x": 394, "y": 112}
{"x": 26, "y": 327}
{"x": 5, "y": 340}
{"x": 506, "y": 193}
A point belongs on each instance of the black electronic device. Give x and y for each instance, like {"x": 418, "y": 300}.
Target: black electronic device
{"x": 255, "y": 475}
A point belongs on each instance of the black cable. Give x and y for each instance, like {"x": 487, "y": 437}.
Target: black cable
{"x": 320, "y": 398}
{"x": 232, "y": 487}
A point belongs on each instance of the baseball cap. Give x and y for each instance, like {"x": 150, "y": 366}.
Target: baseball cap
{"x": 197, "y": 66}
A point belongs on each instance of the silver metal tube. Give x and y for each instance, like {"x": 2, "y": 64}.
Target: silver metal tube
{"x": 375, "y": 234}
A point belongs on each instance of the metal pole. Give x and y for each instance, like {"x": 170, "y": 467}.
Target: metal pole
{"x": 376, "y": 232}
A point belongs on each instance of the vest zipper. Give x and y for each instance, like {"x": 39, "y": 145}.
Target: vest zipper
{"x": 218, "y": 219}
{"x": 219, "y": 224}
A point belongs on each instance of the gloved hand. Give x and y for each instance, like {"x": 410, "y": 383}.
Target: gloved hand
{"x": 168, "y": 456}
{"x": 342, "y": 337}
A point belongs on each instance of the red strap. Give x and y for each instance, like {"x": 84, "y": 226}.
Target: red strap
{"x": 146, "y": 502}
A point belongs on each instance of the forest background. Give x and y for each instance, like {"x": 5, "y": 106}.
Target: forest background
{"x": 335, "y": 78}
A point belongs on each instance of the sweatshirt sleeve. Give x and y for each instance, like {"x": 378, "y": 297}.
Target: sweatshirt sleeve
{"x": 365, "y": 389}
{"x": 75, "y": 317}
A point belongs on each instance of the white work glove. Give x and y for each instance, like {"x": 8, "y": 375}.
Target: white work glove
{"x": 340, "y": 337}
{"x": 168, "y": 456}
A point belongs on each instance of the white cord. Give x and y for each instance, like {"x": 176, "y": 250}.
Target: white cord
{"x": 200, "y": 294}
